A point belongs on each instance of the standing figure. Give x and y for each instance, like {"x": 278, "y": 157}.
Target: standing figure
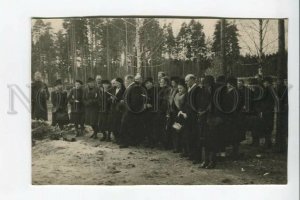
{"x": 267, "y": 111}
{"x": 177, "y": 121}
{"x": 192, "y": 130}
{"x": 77, "y": 107}
{"x": 149, "y": 114}
{"x": 39, "y": 97}
{"x": 105, "y": 110}
{"x": 162, "y": 123}
{"x": 59, "y": 101}
{"x": 117, "y": 108}
{"x": 91, "y": 98}
{"x": 132, "y": 124}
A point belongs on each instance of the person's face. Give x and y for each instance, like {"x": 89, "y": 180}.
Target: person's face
{"x": 189, "y": 82}
{"x": 113, "y": 83}
{"x": 117, "y": 84}
{"x": 240, "y": 84}
{"x": 105, "y": 86}
{"x": 181, "y": 89}
{"x": 127, "y": 82}
{"x": 138, "y": 79}
{"x": 37, "y": 77}
{"x": 162, "y": 83}
{"x": 174, "y": 84}
{"x": 266, "y": 84}
{"x": 77, "y": 85}
{"x": 98, "y": 79}
{"x": 59, "y": 87}
{"x": 91, "y": 84}
{"x": 159, "y": 76}
{"x": 148, "y": 85}
{"x": 229, "y": 86}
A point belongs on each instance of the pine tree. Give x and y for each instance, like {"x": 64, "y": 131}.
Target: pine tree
{"x": 232, "y": 48}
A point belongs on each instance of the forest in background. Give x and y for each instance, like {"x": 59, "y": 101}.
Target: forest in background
{"x": 114, "y": 47}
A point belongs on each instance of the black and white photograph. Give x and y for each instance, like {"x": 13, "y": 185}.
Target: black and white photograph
{"x": 149, "y": 100}
{"x": 159, "y": 101}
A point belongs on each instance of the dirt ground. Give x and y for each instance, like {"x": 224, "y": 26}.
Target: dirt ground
{"x": 91, "y": 162}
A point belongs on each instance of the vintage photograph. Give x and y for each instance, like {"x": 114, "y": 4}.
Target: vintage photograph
{"x": 136, "y": 100}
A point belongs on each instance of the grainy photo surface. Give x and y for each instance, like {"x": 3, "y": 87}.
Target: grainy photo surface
{"x": 159, "y": 101}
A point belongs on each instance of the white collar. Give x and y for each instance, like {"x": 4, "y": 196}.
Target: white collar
{"x": 192, "y": 87}
{"x": 130, "y": 84}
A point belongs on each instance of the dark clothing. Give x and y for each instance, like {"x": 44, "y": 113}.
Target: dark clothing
{"x": 105, "y": 111}
{"x": 176, "y": 105}
{"x": 91, "y": 100}
{"x": 75, "y": 98}
{"x": 161, "y": 122}
{"x": 267, "y": 115}
{"x": 117, "y": 110}
{"x": 39, "y": 97}
{"x": 148, "y": 118}
{"x": 192, "y": 125}
{"x": 59, "y": 101}
{"x": 282, "y": 118}
{"x": 132, "y": 124}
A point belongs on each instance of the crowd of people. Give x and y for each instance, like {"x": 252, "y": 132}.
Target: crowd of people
{"x": 197, "y": 117}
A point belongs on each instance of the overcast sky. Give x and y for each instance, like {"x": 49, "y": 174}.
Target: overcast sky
{"x": 247, "y": 39}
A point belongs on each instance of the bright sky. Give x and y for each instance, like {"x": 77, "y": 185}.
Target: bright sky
{"x": 248, "y": 37}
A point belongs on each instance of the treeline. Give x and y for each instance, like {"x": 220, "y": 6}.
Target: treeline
{"x": 107, "y": 46}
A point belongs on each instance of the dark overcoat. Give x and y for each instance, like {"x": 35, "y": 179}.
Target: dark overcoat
{"x": 39, "y": 97}
{"x": 91, "y": 100}
{"x": 75, "y": 98}
{"x": 59, "y": 101}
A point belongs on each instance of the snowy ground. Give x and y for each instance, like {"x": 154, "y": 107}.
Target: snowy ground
{"x": 91, "y": 162}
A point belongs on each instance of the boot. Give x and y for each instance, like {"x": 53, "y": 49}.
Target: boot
{"x": 108, "y": 137}
{"x": 104, "y": 136}
{"x": 77, "y": 132}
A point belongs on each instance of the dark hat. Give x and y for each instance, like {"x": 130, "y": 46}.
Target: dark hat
{"x": 119, "y": 80}
{"x": 175, "y": 78}
{"x": 90, "y": 79}
{"x": 208, "y": 80}
{"x": 221, "y": 79}
{"x": 268, "y": 79}
{"x": 79, "y": 81}
{"x": 149, "y": 79}
{"x": 253, "y": 81}
{"x": 231, "y": 80}
{"x": 181, "y": 82}
{"x": 105, "y": 82}
{"x": 58, "y": 82}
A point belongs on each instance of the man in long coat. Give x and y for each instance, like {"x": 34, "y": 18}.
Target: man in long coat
{"x": 132, "y": 125}
{"x": 59, "y": 101}
{"x": 191, "y": 135}
{"x": 39, "y": 97}
{"x": 91, "y": 98}
{"x": 75, "y": 98}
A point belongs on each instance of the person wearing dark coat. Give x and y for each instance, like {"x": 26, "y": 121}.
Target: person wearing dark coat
{"x": 267, "y": 111}
{"x": 228, "y": 106}
{"x": 91, "y": 99}
{"x": 132, "y": 124}
{"x": 105, "y": 110}
{"x": 117, "y": 108}
{"x": 162, "y": 124}
{"x": 213, "y": 127}
{"x": 39, "y": 97}
{"x": 177, "y": 121}
{"x": 192, "y": 130}
{"x": 75, "y": 99}
{"x": 149, "y": 113}
{"x": 59, "y": 99}
{"x": 282, "y": 110}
